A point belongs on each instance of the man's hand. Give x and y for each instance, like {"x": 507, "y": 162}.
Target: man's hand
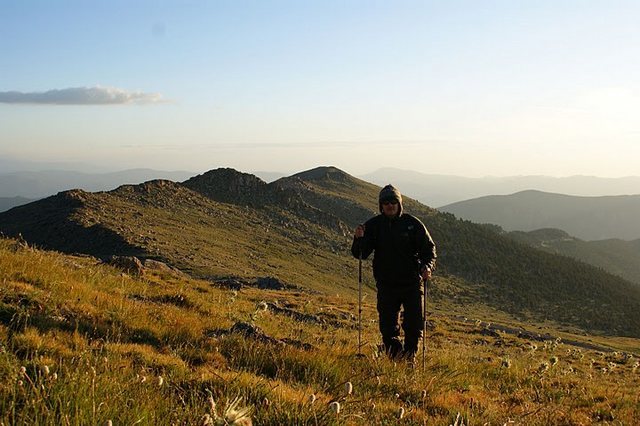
{"x": 359, "y": 232}
{"x": 426, "y": 274}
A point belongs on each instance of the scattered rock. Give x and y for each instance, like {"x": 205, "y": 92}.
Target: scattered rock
{"x": 156, "y": 265}
{"x": 270, "y": 283}
{"x": 298, "y": 316}
{"x": 533, "y": 336}
{"x": 230, "y": 283}
{"x": 298, "y": 344}
{"x": 129, "y": 264}
{"x": 179, "y": 300}
{"x": 263, "y": 283}
{"x": 254, "y": 332}
{"x": 489, "y": 332}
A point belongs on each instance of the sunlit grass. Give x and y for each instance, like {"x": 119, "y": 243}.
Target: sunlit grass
{"x": 81, "y": 343}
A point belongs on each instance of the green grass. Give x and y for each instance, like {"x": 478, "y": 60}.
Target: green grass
{"x": 298, "y": 229}
{"x": 107, "y": 338}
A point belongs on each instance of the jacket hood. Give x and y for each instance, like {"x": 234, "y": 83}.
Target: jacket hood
{"x": 388, "y": 193}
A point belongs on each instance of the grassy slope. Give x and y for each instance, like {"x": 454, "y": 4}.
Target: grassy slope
{"x": 164, "y": 220}
{"x": 502, "y": 273}
{"x": 300, "y": 234}
{"x": 106, "y": 339}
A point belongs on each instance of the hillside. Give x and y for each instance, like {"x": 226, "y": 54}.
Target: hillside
{"x": 618, "y": 257}
{"x": 587, "y": 218}
{"x": 86, "y": 343}
{"x": 232, "y": 225}
{"x": 500, "y": 272}
{"x": 166, "y": 221}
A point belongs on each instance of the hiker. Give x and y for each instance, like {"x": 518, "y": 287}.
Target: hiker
{"x": 404, "y": 255}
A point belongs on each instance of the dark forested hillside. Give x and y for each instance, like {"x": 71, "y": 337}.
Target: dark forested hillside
{"x": 616, "y": 256}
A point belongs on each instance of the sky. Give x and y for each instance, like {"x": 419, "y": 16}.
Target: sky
{"x": 470, "y": 88}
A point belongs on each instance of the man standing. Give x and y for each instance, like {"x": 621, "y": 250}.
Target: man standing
{"x": 404, "y": 253}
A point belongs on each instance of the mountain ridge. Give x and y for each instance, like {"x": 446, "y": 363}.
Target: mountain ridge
{"x": 302, "y": 237}
{"x": 588, "y": 218}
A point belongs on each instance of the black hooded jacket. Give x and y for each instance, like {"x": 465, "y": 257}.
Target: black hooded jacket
{"x": 402, "y": 247}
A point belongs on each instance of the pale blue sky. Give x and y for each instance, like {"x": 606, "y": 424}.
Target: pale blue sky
{"x": 469, "y": 88}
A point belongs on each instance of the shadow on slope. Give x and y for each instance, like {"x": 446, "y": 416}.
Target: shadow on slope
{"x": 53, "y": 223}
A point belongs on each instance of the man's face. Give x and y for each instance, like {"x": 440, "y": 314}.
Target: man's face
{"x": 390, "y": 208}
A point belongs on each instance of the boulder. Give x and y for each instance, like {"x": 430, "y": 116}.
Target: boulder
{"x": 270, "y": 283}
{"x": 156, "y": 265}
{"x": 129, "y": 264}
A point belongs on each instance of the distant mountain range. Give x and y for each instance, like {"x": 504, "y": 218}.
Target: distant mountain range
{"x": 588, "y": 218}
{"x": 37, "y": 180}
{"x": 225, "y": 223}
{"x": 38, "y": 184}
{"x": 7, "y": 203}
{"x": 441, "y": 190}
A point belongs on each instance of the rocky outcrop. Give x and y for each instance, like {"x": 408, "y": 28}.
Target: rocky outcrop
{"x": 128, "y": 264}
{"x": 229, "y": 186}
{"x": 156, "y": 265}
{"x": 270, "y": 283}
{"x": 291, "y": 195}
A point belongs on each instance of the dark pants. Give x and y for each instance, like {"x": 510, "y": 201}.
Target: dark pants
{"x": 390, "y": 300}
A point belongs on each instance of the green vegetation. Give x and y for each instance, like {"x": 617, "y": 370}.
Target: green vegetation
{"x": 230, "y": 225}
{"x": 494, "y": 270}
{"x": 84, "y": 343}
{"x": 615, "y": 256}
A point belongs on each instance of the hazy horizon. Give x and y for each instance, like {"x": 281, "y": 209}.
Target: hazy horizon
{"x": 464, "y": 88}
{"x": 89, "y": 168}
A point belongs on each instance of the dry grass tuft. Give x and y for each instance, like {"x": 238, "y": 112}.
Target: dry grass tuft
{"x": 82, "y": 344}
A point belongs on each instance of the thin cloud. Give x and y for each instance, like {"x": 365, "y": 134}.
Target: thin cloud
{"x": 305, "y": 145}
{"x": 82, "y": 96}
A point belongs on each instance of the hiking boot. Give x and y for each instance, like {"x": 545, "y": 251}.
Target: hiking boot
{"x": 409, "y": 357}
{"x": 393, "y": 348}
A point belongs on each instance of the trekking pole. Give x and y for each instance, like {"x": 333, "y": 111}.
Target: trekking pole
{"x": 424, "y": 323}
{"x": 359, "y": 303}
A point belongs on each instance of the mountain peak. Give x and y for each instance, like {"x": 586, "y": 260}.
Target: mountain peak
{"x": 150, "y": 186}
{"x": 324, "y": 173}
{"x": 157, "y": 192}
{"x": 73, "y": 194}
{"x": 227, "y": 185}
{"x": 224, "y": 174}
